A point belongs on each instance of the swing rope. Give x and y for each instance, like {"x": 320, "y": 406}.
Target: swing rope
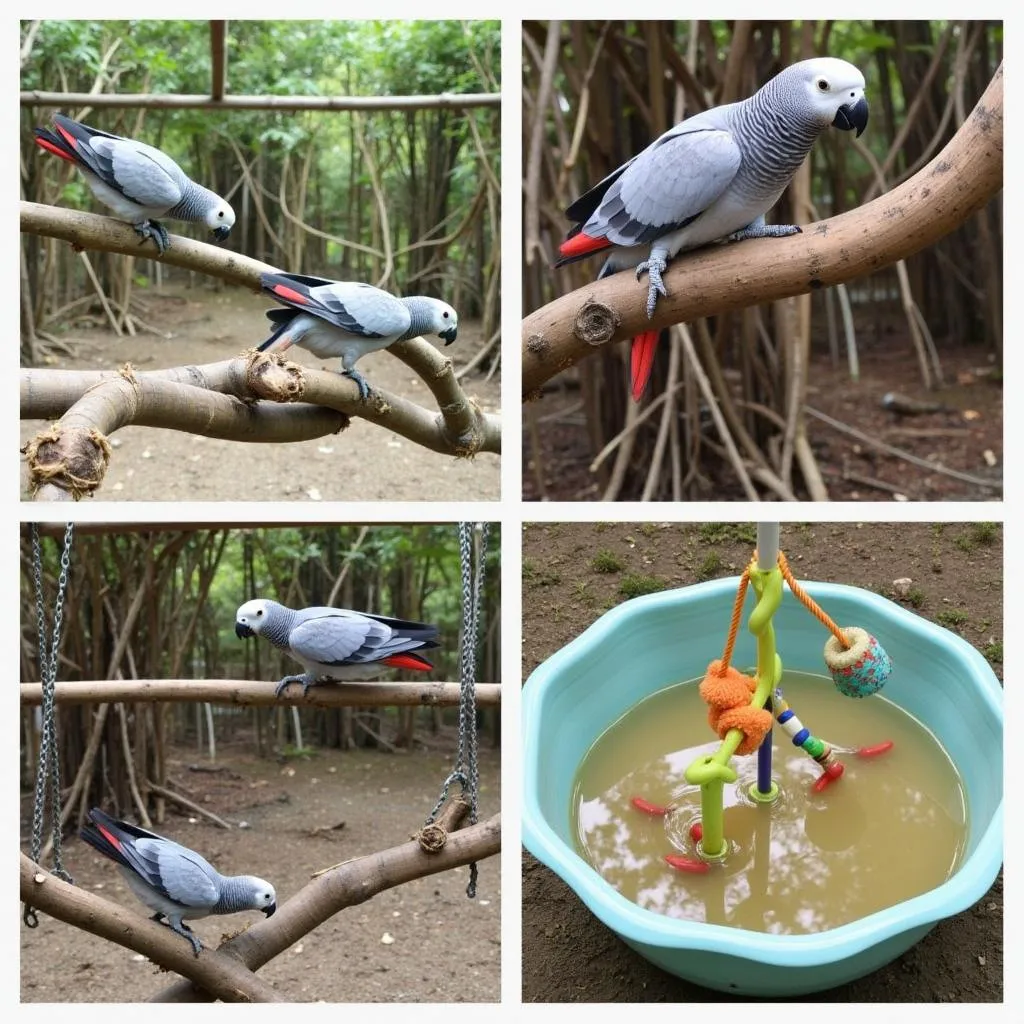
{"x": 48, "y": 763}
{"x": 466, "y": 771}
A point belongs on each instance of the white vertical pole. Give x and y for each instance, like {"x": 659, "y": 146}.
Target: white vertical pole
{"x": 767, "y": 545}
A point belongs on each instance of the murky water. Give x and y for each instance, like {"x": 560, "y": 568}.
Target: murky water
{"x": 892, "y": 827}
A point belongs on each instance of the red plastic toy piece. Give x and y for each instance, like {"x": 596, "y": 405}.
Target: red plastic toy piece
{"x": 696, "y": 831}
{"x": 831, "y": 773}
{"x": 694, "y": 867}
{"x": 878, "y": 748}
{"x": 648, "y": 808}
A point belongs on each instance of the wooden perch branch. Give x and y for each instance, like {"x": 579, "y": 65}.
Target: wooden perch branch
{"x": 221, "y": 974}
{"x": 69, "y": 458}
{"x": 252, "y": 693}
{"x": 186, "y": 101}
{"x": 111, "y": 400}
{"x": 347, "y": 885}
{"x": 91, "y": 231}
{"x": 931, "y": 204}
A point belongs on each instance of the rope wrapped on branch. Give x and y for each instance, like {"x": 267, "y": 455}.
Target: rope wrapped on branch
{"x": 258, "y": 693}
{"x": 914, "y": 215}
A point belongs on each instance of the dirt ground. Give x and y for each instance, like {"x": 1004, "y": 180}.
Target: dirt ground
{"x": 568, "y": 955}
{"x": 446, "y": 947}
{"x": 364, "y": 463}
{"x": 958, "y": 437}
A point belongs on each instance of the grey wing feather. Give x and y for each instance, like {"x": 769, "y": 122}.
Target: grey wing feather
{"x": 144, "y": 174}
{"x": 365, "y": 310}
{"x": 328, "y": 638}
{"x": 668, "y": 185}
{"x": 176, "y": 872}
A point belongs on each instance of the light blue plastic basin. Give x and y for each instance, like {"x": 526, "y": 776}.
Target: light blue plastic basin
{"x": 646, "y": 644}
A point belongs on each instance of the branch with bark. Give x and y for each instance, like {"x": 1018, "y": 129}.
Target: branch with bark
{"x": 258, "y": 693}
{"x": 914, "y": 215}
{"x": 218, "y": 973}
{"x": 234, "y": 399}
{"x": 227, "y": 972}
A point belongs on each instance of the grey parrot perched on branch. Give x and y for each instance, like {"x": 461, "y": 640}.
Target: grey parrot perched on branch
{"x": 173, "y": 880}
{"x": 346, "y": 319}
{"x": 334, "y": 644}
{"x": 138, "y": 182}
{"x": 712, "y": 177}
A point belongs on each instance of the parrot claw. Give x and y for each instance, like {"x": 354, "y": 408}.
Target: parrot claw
{"x": 284, "y": 684}
{"x": 654, "y": 268}
{"x": 183, "y": 929}
{"x": 155, "y": 230}
{"x": 360, "y": 382}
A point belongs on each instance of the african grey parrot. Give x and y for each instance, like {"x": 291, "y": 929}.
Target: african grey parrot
{"x": 342, "y": 318}
{"x": 137, "y": 182}
{"x": 334, "y": 644}
{"x": 172, "y": 880}
{"x": 713, "y": 176}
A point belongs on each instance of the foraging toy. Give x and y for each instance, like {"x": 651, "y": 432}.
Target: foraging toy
{"x": 860, "y": 669}
{"x": 743, "y": 708}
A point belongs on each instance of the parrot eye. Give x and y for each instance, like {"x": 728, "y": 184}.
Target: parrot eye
{"x": 259, "y": 613}
{"x": 445, "y": 315}
{"x": 822, "y": 85}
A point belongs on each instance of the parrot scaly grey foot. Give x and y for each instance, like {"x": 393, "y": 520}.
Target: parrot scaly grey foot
{"x": 183, "y": 929}
{"x": 283, "y": 685}
{"x": 360, "y": 382}
{"x": 765, "y": 231}
{"x": 155, "y": 230}
{"x": 654, "y": 267}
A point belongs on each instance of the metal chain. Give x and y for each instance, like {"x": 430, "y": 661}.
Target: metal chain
{"x": 48, "y": 763}
{"x": 466, "y": 771}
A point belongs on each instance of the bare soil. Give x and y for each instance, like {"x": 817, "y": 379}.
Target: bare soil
{"x": 958, "y": 437}
{"x": 568, "y": 955}
{"x": 446, "y": 947}
{"x": 363, "y": 463}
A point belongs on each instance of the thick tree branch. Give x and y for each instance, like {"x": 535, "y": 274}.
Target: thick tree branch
{"x": 69, "y": 458}
{"x": 914, "y": 215}
{"x": 252, "y": 693}
{"x": 461, "y": 430}
{"x": 91, "y": 231}
{"x": 221, "y": 974}
{"x": 346, "y": 885}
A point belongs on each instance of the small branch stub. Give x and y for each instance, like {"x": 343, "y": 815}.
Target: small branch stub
{"x": 270, "y": 376}
{"x": 595, "y": 323}
{"x": 73, "y": 458}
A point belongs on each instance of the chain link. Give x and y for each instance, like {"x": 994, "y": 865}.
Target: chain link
{"x": 466, "y": 771}
{"x": 48, "y": 763}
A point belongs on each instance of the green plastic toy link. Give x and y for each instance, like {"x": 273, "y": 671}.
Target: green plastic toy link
{"x": 712, "y": 771}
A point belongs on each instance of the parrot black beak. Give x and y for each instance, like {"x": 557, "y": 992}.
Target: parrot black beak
{"x": 448, "y": 335}
{"x": 847, "y": 117}
{"x": 269, "y": 911}
{"x": 242, "y": 631}
{"x": 221, "y": 233}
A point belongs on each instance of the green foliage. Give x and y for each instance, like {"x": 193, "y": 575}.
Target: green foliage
{"x": 952, "y": 618}
{"x": 718, "y": 533}
{"x": 994, "y": 651}
{"x": 710, "y": 566}
{"x": 316, "y": 58}
{"x": 606, "y": 561}
{"x": 636, "y": 584}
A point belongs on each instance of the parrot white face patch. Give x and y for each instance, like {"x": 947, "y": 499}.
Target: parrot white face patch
{"x": 252, "y": 615}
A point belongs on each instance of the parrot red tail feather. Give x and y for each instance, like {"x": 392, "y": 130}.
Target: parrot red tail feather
{"x": 409, "y": 661}
{"x": 642, "y": 359}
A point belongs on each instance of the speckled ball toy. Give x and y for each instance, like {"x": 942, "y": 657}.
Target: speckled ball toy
{"x": 861, "y": 669}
